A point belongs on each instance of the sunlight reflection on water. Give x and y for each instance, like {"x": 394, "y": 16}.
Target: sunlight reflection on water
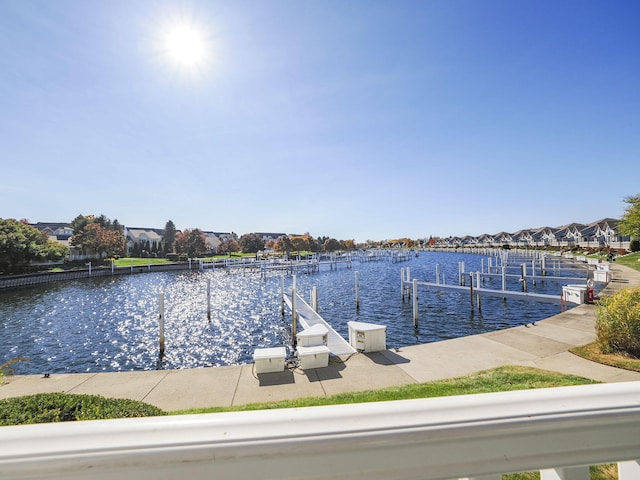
{"x": 111, "y": 324}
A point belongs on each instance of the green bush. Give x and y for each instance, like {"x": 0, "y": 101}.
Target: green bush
{"x": 64, "y": 407}
{"x": 618, "y": 323}
{"x": 634, "y": 246}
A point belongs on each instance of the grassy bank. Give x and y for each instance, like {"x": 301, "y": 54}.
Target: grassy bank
{"x": 632, "y": 260}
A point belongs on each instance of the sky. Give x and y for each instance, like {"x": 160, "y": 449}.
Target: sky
{"x": 364, "y": 120}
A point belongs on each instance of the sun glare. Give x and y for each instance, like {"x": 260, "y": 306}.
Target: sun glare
{"x": 186, "y": 46}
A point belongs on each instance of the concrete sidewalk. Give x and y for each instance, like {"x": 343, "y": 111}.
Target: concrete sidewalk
{"x": 544, "y": 345}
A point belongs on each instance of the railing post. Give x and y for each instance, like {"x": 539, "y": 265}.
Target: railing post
{"x": 566, "y": 473}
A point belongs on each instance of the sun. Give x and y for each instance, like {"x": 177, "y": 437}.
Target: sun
{"x": 186, "y": 45}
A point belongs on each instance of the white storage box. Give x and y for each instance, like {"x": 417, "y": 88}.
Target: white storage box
{"x": 269, "y": 360}
{"x": 605, "y": 267}
{"x": 602, "y": 276}
{"x": 313, "y": 357}
{"x": 367, "y": 337}
{"x": 574, "y": 293}
{"x": 312, "y": 336}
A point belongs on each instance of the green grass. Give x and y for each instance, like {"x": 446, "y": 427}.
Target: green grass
{"x": 496, "y": 380}
{"x": 64, "y": 407}
{"x": 592, "y": 352}
{"x": 139, "y": 262}
{"x": 632, "y": 260}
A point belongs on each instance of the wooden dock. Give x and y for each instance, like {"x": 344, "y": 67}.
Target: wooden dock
{"x": 308, "y": 317}
{"x": 487, "y": 292}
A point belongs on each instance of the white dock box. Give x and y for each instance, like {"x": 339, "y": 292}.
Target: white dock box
{"x": 574, "y": 293}
{"x": 367, "y": 337}
{"x": 602, "y": 276}
{"x": 313, "y": 357}
{"x": 269, "y": 360}
{"x": 312, "y": 336}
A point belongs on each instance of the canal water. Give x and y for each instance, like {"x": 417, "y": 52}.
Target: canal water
{"x": 111, "y": 323}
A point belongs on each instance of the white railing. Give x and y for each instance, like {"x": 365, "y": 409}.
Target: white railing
{"x": 557, "y": 431}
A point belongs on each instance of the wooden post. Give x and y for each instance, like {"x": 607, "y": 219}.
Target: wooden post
{"x": 402, "y": 283}
{"x": 478, "y": 295}
{"x": 282, "y": 295}
{"x": 209, "y": 299}
{"x": 415, "y": 303}
{"x": 294, "y": 325}
{"x": 357, "y": 292}
{"x": 523, "y": 276}
{"x": 533, "y": 271}
{"x": 161, "y": 322}
{"x": 113, "y": 263}
{"x": 471, "y": 289}
{"x": 437, "y": 274}
{"x": 314, "y": 298}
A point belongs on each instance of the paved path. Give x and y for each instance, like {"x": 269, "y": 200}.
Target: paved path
{"x": 544, "y": 345}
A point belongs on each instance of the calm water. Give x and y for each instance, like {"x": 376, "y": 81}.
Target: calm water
{"x": 111, "y": 324}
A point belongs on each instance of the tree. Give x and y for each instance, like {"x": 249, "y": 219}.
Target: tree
{"x": 98, "y": 234}
{"x": 300, "y": 243}
{"x": 169, "y": 236}
{"x": 191, "y": 242}
{"x": 251, "y": 243}
{"x": 630, "y": 222}
{"x": 21, "y": 243}
{"x": 103, "y": 241}
{"x": 283, "y": 244}
{"x": 350, "y": 244}
{"x": 314, "y": 246}
{"x": 331, "y": 245}
{"x": 229, "y": 245}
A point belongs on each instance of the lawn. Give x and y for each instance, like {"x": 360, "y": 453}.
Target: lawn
{"x": 632, "y": 260}
{"x": 139, "y": 262}
{"x": 592, "y": 352}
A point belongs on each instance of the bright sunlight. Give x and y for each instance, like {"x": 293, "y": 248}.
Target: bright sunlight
{"x": 186, "y": 46}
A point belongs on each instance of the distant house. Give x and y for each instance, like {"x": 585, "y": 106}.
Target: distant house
{"x": 270, "y": 236}
{"x": 604, "y": 233}
{"x": 599, "y": 234}
{"x": 138, "y": 240}
{"x": 57, "y": 232}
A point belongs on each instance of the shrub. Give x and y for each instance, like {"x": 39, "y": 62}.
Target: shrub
{"x": 64, "y": 407}
{"x": 618, "y": 323}
{"x": 634, "y": 246}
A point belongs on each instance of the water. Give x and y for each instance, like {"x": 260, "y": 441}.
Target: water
{"x": 111, "y": 323}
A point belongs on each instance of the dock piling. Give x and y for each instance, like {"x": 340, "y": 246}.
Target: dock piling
{"x": 161, "y": 322}
{"x": 415, "y": 303}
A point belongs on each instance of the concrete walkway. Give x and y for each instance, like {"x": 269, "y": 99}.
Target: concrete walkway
{"x": 544, "y": 345}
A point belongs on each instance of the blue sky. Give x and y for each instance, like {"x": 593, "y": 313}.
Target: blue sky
{"x": 351, "y": 119}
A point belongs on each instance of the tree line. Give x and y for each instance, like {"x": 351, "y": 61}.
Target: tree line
{"x": 22, "y": 244}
